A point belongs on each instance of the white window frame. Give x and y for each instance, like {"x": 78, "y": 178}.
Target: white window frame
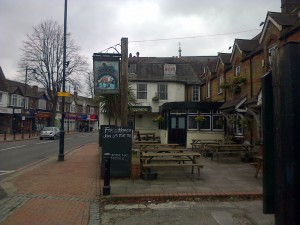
{"x": 220, "y": 81}
{"x": 92, "y": 110}
{"x": 196, "y": 93}
{"x": 140, "y": 91}
{"x": 162, "y": 94}
{"x": 190, "y": 120}
{"x": 208, "y": 89}
{"x": 237, "y": 71}
{"x": 42, "y": 104}
{"x": 73, "y": 107}
{"x": 271, "y": 52}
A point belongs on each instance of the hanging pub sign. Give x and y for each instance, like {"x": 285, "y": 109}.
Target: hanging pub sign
{"x": 106, "y": 68}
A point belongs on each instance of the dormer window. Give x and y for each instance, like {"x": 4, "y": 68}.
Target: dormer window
{"x": 237, "y": 70}
{"x": 271, "y": 53}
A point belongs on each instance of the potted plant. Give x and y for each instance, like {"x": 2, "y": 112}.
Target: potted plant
{"x": 200, "y": 118}
{"x": 155, "y": 99}
{"x": 158, "y": 119}
{"x": 225, "y": 85}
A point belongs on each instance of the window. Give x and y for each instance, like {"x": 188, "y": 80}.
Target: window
{"x": 42, "y": 104}
{"x": 206, "y": 124}
{"x": 16, "y": 100}
{"x": 192, "y": 124}
{"x": 73, "y": 107}
{"x": 132, "y": 68}
{"x": 58, "y": 107}
{"x": 218, "y": 122}
{"x": 220, "y": 81}
{"x": 141, "y": 91}
{"x": 237, "y": 125}
{"x": 208, "y": 89}
{"x": 271, "y": 52}
{"x": 162, "y": 90}
{"x": 92, "y": 110}
{"x": 196, "y": 93}
{"x": 237, "y": 70}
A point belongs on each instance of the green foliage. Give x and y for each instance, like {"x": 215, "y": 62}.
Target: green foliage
{"x": 110, "y": 104}
{"x": 200, "y": 118}
{"x": 158, "y": 119}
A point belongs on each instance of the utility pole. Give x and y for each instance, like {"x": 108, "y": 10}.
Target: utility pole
{"x": 124, "y": 82}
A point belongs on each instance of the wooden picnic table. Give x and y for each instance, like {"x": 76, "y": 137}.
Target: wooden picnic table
{"x": 163, "y": 150}
{"x": 155, "y": 145}
{"x": 218, "y": 149}
{"x": 166, "y": 159}
{"x": 201, "y": 144}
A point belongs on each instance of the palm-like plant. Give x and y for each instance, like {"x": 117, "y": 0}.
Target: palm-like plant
{"x": 110, "y": 104}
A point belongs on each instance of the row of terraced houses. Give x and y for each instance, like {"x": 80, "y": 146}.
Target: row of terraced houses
{"x": 210, "y": 97}
{"x": 25, "y": 108}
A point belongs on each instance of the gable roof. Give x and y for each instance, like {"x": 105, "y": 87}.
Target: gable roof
{"x": 152, "y": 68}
{"x": 280, "y": 20}
{"x": 3, "y": 84}
{"x": 245, "y": 46}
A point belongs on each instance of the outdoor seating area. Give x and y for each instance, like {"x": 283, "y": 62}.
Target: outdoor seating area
{"x": 155, "y": 157}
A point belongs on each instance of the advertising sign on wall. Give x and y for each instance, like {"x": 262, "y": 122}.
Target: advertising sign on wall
{"x": 106, "y": 73}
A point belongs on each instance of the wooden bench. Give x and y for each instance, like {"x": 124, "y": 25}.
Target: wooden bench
{"x": 156, "y": 165}
{"x": 216, "y": 150}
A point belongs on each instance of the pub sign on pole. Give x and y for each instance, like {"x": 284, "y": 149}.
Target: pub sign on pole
{"x": 106, "y": 68}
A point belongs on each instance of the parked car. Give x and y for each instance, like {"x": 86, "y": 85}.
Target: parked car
{"x": 49, "y": 132}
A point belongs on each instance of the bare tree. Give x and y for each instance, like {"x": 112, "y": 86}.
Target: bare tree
{"x": 89, "y": 81}
{"x": 43, "y": 51}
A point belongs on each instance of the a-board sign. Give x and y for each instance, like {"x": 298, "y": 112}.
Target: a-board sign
{"x": 118, "y": 142}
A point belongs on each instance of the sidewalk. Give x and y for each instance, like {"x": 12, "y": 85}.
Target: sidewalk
{"x": 54, "y": 192}
{"x": 17, "y": 137}
{"x": 68, "y": 192}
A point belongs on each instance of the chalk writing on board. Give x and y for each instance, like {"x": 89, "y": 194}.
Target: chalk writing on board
{"x": 119, "y": 156}
{"x": 117, "y": 132}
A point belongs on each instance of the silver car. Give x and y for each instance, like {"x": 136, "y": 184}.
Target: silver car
{"x": 49, "y": 132}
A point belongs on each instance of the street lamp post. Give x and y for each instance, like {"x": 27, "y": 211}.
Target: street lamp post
{"x": 61, "y": 155}
{"x": 25, "y": 92}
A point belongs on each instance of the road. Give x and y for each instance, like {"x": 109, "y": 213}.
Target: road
{"x": 19, "y": 154}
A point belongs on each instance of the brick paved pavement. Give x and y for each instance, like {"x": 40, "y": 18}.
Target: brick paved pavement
{"x": 55, "y": 192}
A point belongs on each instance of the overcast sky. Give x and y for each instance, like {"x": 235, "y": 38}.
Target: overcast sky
{"x": 203, "y": 27}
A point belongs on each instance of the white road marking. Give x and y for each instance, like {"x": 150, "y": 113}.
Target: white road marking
{"x": 44, "y": 142}
{"x": 5, "y": 149}
{"x": 3, "y": 172}
{"x": 68, "y": 138}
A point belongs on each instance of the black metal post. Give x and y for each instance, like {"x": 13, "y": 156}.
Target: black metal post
{"x": 5, "y": 135}
{"x": 106, "y": 187}
{"x": 61, "y": 155}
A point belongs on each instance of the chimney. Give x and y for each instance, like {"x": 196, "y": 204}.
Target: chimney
{"x": 138, "y": 54}
{"x": 130, "y": 55}
{"x": 35, "y": 89}
{"x": 289, "y": 6}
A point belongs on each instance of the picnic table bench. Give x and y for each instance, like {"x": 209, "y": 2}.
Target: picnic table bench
{"x": 167, "y": 159}
{"x": 218, "y": 149}
{"x": 155, "y": 145}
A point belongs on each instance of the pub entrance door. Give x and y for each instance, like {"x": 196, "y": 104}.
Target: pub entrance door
{"x": 177, "y": 130}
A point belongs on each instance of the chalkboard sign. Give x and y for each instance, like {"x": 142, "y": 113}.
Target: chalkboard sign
{"x": 118, "y": 142}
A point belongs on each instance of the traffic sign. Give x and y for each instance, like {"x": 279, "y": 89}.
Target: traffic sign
{"x": 63, "y": 94}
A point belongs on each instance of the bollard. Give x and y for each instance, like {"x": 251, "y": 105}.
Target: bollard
{"x": 22, "y": 134}
{"x": 29, "y": 134}
{"x": 14, "y": 134}
{"x": 106, "y": 187}
{"x": 5, "y": 135}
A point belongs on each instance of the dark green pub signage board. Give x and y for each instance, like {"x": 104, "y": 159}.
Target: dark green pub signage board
{"x": 118, "y": 142}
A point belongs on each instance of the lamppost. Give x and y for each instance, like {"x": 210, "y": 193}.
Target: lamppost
{"x": 61, "y": 155}
{"x": 24, "y": 105}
